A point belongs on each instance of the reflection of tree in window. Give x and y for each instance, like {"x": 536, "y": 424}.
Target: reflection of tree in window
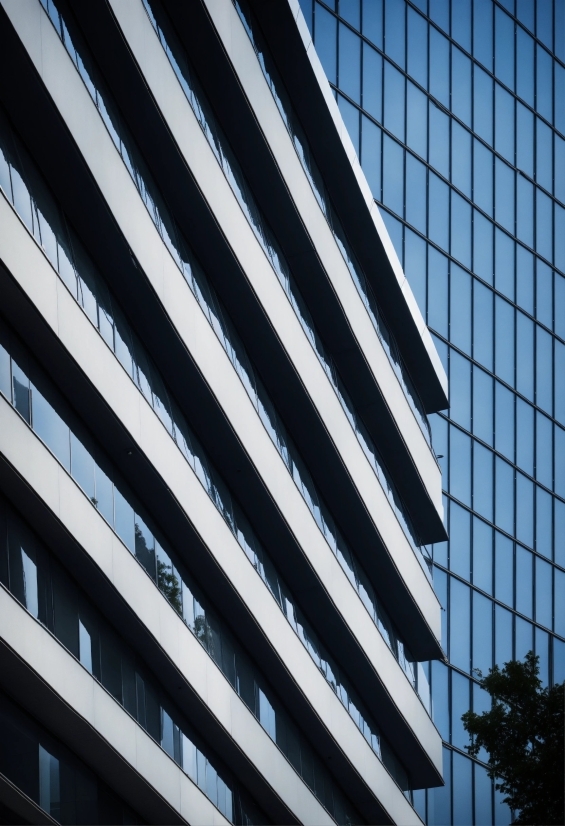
{"x": 170, "y": 586}
{"x": 201, "y": 630}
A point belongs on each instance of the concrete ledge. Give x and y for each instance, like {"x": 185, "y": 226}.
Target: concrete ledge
{"x": 163, "y": 84}
{"x": 21, "y": 804}
{"x": 64, "y": 84}
{"x": 62, "y": 314}
{"x": 237, "y": 46}
{"x": 63, "y": 497}
{"x": 302, "y": 71}
{"x": 57, "y": 690}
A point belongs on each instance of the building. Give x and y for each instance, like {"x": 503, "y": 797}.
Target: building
{"x": 456, "y": 112}
{"x": 217, "y": 484}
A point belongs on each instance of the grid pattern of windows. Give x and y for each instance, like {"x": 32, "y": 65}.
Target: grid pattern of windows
{"x": 455, "y": 108}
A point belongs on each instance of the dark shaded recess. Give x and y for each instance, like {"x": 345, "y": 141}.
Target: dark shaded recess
{"x": 49, "y": 141}
{"x": 18, "y": 807}
{"x": 284, "y": 384}
{"x": 67, "y": 173}
{"x": 269, "y": 188}
{"x": 235, "y": 116}
{"x": 279, "y": 26}
{"x": 105, "y": 596}
{"x": 35, "y": 695}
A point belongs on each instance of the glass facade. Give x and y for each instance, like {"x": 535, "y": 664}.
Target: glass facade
{"x": 33, "y": 575}
{"x": 25, "y": 574}
{"x": 52, "y": 776}
{"x": 456, "y": 112}
{"x": 22, "y": 183}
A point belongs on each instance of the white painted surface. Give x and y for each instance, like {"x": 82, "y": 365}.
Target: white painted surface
{"x": 242, "y": 56}
{"x": 61, "y": 494}
{"x": 72, "y": 507}
{"x": 37, "y": 278}
{"x": 76, "y": 687}
{"x": 73, "y": 101}
{"x": 367, "y": 194}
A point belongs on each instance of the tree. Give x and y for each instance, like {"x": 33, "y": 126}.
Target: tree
{"x": 523, "y": 735}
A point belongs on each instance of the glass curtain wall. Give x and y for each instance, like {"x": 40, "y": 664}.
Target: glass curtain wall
{"x": 52, "y": 776}
{"x": 456, "y": 112}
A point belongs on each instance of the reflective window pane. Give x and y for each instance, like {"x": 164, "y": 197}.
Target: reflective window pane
{"x": 482, "y": 555}
{"x": 393, "y": 182}
{"x": 372, "y": 82}
{"x": 349, "y": 55}
{"x": 483, "y": 395}
{"x": 417, "y": 47}
{"x": 395, "y": 15}
{"x": 482, "y": 632}
{"x": 417, "y": 120}
{"x": 438, "y": 211}
{"x": 544, "y": 590}
{"x": 325, "y": 37}
{"x": 483, "y": 32}
{"x": 394, "y": 92}
{"x": 460, "y": 84}
{"x": 459, "y": 540}
{"x": 371, "y": 155}
{"x": 439, "y": 140}
{"x": 459, "y": 628}
{"x": 462, "y": 788}
{"x": 504, "y": 569}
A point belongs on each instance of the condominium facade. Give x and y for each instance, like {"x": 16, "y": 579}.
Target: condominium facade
{"x": 218, "y": 491}
{"x": 456, "y": 112}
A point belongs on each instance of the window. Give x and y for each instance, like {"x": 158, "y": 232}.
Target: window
{"x": 372, "y": 82}
{"x": 504, "y": 495}
{"x": 460, "y": 310}
{"x": 438, "y": 211}
{"x": 504, "y": 48}
{"x": 482, "y": 104}
{"x": 504, "y": 187}
{"x": 394, "y": 86}
{"x": 459, "y": 628}
{"x": 482, "y": 247}
{"x": 460, "y": 466}
{"x": 439, "y": 67}
{"x": 482, "y": 177}
{"x": 461, "y": 158}
{"x": 460, "y": 389}
{"x": 460, "y": 84}
{"x": 417, "y": 120}
{"x": 524, "y": 139}
{"x": 460, "y": 229}
{"x": 439, "y": 140}
{"x": 395, "y": 12}
{"x": 504, "y": 420}
{"x": 482, "y": 32}
{"x": 417, "y": 47}
{"x": 371, "y": 154}
{"x": 326, "y": 41}
{"x": 393, "y": 169}
{"x": 482, "y": 555}
{"x": 483, "y": 390}
{"x": 437, "y": 291}
{"x": 504, "y": 266}
{"x": 483, "y": 474}
{"x": 525, "y": 66}
{"x": 349, "y": 80}
{"x": 416, "y": 174}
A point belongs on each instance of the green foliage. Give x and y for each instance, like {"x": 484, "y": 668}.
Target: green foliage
{"x": 169, "y": 584}
{"x": 523, "y": 734}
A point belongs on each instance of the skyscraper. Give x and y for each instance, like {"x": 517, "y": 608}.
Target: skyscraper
{"x": 217, "y": 482}
{"x": 457, "y": 112}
